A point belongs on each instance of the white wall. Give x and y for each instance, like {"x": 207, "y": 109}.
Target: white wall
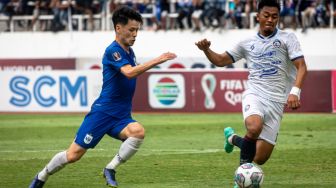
{"x": 319, "y": 45}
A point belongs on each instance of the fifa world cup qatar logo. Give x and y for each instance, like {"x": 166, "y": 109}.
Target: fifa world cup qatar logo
{"x": 208, "y": 83}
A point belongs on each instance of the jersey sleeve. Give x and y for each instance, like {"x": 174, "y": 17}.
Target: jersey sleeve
{"x": 237, "y": 52}
{"x": 115, "y": 57}
{"x": 293, "y": 47}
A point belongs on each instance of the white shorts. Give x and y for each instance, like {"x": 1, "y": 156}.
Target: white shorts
{"x": 271, "y": 112}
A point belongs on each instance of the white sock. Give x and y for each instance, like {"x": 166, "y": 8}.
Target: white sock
{"x": 55, "y": 164}
{"x": 127, "y": 149}
{"x": 230, "y": 138}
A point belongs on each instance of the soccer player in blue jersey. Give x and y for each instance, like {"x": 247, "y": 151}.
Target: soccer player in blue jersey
{"x": 277, "y": 70}
{"x": 111, "y": 113}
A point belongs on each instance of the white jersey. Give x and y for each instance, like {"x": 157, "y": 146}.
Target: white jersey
{"x": 269, "y": 60}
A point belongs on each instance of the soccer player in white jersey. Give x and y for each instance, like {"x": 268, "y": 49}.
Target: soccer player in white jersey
{"x": 277, "y": 70}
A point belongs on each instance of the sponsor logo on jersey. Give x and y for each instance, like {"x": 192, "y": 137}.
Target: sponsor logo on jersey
{"x": 277, "y": 43}
{"x": 267, "y": 54}
{"x": 88, "y": 138}
{"x": 116, "y": 56}
{"x": 268, "y": 72}
{"x": 276, "y": 62}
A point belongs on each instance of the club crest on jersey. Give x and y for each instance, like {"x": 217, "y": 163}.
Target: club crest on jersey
{"x": 88, "y": 138}
{"x": 276, "y": 43}
{"x": 247, "y": 107}
{"x": 252, "y": 47}
{"x": 116, "y": 56}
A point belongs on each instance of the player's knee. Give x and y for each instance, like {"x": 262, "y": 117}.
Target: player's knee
{"x": 137, "y": 132}
{"x": 254, "y": 127}
{"x": 73, "y": 157}
{"x": 140, "y": 133}
{"x": 254, "y": 133}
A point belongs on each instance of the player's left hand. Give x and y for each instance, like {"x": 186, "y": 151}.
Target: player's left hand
{"x": 293, "y": 102}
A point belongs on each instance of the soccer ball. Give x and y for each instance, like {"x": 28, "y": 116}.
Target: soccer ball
{"x": 249, "y": 175}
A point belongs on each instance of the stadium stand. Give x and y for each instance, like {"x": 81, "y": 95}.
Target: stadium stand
{"x": 58, "y": 15}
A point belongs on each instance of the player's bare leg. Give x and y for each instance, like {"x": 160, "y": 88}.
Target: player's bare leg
{"x": 133, "y": 135}
{"x": 247, "y": 145}
{"x": 59, "y": 161}
{"x": 263, "y": 152}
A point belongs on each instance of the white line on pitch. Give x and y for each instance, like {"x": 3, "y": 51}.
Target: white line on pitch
{"x": 143, "y": 152}
{"x": 148, "y": 150}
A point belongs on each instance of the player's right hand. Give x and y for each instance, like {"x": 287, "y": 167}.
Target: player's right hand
{"x": 203, "y": 44}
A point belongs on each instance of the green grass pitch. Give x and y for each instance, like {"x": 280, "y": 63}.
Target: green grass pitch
{"x": 180, "y": 151}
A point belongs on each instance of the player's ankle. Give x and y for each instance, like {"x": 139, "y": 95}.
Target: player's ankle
{"x": 231, "y": 138}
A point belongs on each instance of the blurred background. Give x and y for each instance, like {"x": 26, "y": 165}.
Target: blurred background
{"x": 51, "y": 50}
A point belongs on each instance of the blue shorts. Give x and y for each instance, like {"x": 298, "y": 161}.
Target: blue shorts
{"x": 96, "y": 124}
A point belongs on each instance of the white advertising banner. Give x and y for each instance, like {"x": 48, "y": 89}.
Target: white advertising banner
{"x": 179, "y": 63}
{"x": 49, "y": 91}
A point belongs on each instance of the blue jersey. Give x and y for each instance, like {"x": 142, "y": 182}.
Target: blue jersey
{"x": 117, "y": 91}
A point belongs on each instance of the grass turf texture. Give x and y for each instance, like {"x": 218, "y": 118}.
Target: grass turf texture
{"x": 180, "y": 151}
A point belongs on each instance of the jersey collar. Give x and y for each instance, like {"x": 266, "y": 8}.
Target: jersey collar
{"x": 272, "y": 35}
{"x": 118, "y": 45}
{"x": 130, "y": 53}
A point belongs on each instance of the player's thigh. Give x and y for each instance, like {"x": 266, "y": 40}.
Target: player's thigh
{"x": 267, "y": 139}
{"x": 272, "y": 121}
{"x": 252, "y": 105}
{"x": 253, "y": 112}
{"x": 263, "y": 151}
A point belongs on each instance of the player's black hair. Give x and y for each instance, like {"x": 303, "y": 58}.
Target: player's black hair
{"x": 124, "y": 13}
{"x": 268, "y": 3}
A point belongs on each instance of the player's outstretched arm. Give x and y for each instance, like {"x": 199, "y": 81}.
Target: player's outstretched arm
{"x": 131, "y": 72}
{"x": 219, "y": 60}
{"x": 293, "y": 101}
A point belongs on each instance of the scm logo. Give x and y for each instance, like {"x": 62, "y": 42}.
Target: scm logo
{"x": 19, "y": 85}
